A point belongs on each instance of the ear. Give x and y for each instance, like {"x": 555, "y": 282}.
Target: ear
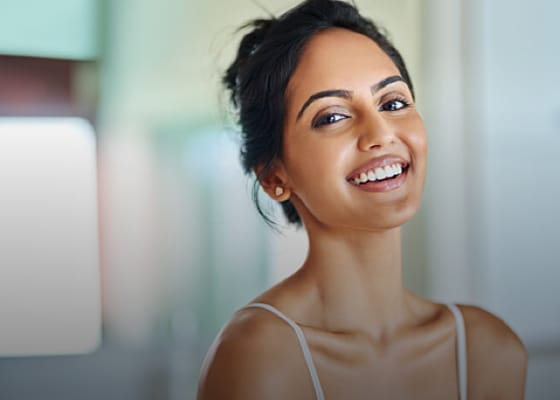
{"x": 275, "y": 181}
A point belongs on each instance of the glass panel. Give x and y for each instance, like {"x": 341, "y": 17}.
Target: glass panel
{"x": 49, "y": 275}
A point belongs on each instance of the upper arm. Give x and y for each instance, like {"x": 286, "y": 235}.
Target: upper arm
{"x": 497, "y": 357}
{"x": 252, "y": 360}
{"x": 228, "y": 373}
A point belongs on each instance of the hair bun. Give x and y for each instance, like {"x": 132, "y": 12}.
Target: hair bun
{"x": 247, "y": 47}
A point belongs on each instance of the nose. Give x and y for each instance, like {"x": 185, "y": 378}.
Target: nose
{"x": 375, "y": 132}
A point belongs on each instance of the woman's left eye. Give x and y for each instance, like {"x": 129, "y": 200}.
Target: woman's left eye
{"x": 394, "y": 105}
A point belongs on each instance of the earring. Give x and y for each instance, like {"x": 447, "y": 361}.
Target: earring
{"x": 279, "y": 191}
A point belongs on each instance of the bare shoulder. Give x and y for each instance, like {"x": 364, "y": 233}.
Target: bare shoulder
{"x": 497, "y": 358}
{"x": 489, "y": 335}
{"x": 255, "y": 356}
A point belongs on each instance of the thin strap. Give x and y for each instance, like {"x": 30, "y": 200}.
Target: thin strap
{"x": 461, "y": 350}
{"x": 303, "y": 344}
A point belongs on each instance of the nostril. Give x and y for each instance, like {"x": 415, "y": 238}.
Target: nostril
{"x": 372, "y": 142}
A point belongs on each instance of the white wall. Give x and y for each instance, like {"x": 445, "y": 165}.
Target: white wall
{"x": 520, "y": 129}
{"x": 493, "y": 112}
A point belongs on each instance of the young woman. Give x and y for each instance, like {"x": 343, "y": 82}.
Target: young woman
{"x": 329, "y": 126}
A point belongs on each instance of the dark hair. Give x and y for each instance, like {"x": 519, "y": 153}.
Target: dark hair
{"x": 267, "y": 57}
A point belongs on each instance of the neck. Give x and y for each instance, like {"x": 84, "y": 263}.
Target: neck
{"x": 358, "y": 280}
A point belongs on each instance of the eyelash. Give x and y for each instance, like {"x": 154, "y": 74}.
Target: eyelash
{"x": 327, "y": 119}
{"x": 399, "y": 99}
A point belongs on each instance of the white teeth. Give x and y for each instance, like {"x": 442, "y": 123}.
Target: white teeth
{"x": 389, "y": 171}
{"x": 380, "y": 173}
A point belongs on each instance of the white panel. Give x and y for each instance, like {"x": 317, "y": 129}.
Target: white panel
{"x": 522, "y": 184}
{"x": 49, "y": 275}
{"x": 444, "y": 195}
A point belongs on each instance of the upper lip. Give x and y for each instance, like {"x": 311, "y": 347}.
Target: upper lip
{"x": 377, "y": 162}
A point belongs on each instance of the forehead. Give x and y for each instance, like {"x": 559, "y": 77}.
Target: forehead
{"x": 339, "y": 59}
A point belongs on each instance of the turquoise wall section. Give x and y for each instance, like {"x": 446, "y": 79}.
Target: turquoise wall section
{"x": 55, "y": 28}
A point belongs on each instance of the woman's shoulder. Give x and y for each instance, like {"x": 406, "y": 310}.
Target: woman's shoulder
{"x": 487, "y": 331}
{"x": 252, "y": 357}
{"x": 497, "y": 358}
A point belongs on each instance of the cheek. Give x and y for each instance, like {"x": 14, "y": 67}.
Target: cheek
{"x": 417, "y": 140}
{"x": 420, "y": 141}
{"x": 311, "y": 159}
{"x": 316, "y": 167}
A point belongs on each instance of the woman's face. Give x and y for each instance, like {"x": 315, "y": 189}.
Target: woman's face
{"x": 354, "y": 152}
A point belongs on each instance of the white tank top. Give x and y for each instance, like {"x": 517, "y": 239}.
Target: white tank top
{"x": 461, "y": 349}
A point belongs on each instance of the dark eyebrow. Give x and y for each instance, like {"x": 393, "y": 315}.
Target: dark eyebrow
{"x": 346, "y": 94}
{"x": 385, "y": 82}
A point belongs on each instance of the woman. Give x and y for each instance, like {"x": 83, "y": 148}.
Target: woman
{"x": 329, "y": 126}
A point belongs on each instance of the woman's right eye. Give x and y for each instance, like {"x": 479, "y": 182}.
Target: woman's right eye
{"x": 328, "y": 119}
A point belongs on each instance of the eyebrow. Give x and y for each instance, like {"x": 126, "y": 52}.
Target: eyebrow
{"x": 346, "y": 94}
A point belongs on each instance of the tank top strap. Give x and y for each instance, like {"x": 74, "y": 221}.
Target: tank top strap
{"x": 461, "y": 350}
{"x": 302, "y": 342}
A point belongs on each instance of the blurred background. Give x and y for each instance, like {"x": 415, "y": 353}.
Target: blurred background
{"x": 177, "y": 243}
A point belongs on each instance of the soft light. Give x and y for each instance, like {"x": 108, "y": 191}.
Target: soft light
{"x": 49, "y": 258}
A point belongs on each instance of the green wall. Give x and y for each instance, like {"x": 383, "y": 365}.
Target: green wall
{"x": 53, "y": 28}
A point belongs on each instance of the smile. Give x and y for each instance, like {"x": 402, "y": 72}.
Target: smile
{"x": 378, "y": 174}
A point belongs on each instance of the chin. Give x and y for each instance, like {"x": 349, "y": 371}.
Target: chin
{"x": 389, "y": 217}
{"x": 393, "y": 220}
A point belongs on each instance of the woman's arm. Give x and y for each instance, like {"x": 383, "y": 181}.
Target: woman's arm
{"x": 497, "y": 358}
{"x": 254, "y": 357}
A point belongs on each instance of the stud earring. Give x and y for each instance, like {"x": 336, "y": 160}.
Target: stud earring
{"x": 279, "y": 191}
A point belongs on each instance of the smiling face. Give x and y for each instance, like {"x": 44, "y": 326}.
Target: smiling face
{"x": 354, "y": 150}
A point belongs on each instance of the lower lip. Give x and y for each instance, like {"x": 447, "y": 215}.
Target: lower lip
{"x": 387, "y": 185}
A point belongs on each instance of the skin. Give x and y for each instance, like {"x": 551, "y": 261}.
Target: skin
{"x": 369, "y": 336}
